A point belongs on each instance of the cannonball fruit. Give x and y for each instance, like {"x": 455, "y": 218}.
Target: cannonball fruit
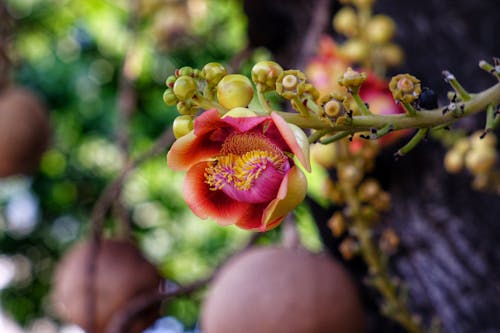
{"x": 279, "y": 290}
{"x": 121, "y": 275}
{"x": 24, "y": 131}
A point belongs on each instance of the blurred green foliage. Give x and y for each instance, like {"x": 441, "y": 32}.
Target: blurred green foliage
{"x": 71, "y": 52}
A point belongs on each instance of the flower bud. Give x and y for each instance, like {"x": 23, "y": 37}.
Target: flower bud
{"x": 480, "y": 160}
{"x": 234, "y": 90}
{"x": 169, "y": 97}
{"x": 405, "y": 88}
{"x": 392, "y": 54}
{"x": 369, "y": 190}
{"x": 265, "y": 74}
{"x": 186, "y": 70}
{"x": 453, "y": 161}
{"x": 380, "y": 29}
{"x": 349, "y": 248}
{"x": 185, "y": 87}
{"x": 182, "y": 125}
{"x": 169, "y": 82}
{"x": 324, "y": 155}
{"x": 337, "y": 224}
{"x": 290, "y": 83}
{"x": 346, "y": 22}
{"x": 354, "y": 50}
{"x": 352, "y": 79}
{"x": 213, "y": 72}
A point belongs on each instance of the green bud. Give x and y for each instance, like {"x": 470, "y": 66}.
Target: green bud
{"x": 169, "y": 97}
{"x": 182, "y": 125}
{"x": 234, "y": 90}
{"x": 352, "y": 79}
{"x": 265, "y": 74}
{"x": 405, "y": 88}
{"x": 170, "y": 81}
{"x": 188, "y": 71}
{"x": 185, "y": 87}
{"x": 290, "y": 83}
{"x": 213, "y": 72}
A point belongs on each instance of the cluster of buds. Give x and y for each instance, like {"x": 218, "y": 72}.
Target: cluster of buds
{"x": 369, "y": 36}
{"x": 478, "y": 155}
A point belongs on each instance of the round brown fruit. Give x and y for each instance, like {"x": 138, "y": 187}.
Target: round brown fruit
{"x": 278, "y": 290}
{"x": 122, "y": 274}
{"x": 24, "y": 131}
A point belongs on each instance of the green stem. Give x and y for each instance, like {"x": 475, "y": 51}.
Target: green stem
{"x": 461, "y": 92}
{"x": 361, "y": 104}
{"x": 318, "y": 134}
{"x": 263, "y": 101}
{"x": 377, "y": 267}
{"x": 208, "y": 104}
{"x": 423, "y": 119}
{"x": 490, "y": 118}
{"x": 421, "y": 133}
{"x": 409, "y": 108}
{"x": 298, "y": 105}
{"x": 335, "y": 137}
{"x": 489, "y": 68}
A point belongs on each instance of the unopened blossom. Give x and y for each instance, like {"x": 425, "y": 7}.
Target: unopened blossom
{"x": 240, "y": 168}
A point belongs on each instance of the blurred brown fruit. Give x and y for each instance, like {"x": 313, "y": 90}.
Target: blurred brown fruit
{"x": 121, "y": 275}
{"x": 24, "y": 131}
{"x": 274, "y": 290}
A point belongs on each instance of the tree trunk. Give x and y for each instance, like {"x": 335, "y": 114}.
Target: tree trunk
{"x": 449, "y": 255}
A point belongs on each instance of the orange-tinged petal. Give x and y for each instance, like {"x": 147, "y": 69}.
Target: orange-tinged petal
{"x": 206, "y": 203}
{"x": 295, "y": 138}
{"x": 252, "y": 218}
{"x": 189, "y": 150}
{"x": 291, "y": 193}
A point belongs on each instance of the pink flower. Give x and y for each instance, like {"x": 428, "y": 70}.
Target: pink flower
{"x": 240, "y": 168}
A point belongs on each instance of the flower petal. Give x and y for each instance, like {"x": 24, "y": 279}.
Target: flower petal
{"x": 191, "y": 149}
{"x": 291, "y": 193}
{"x": 244, "y": 124}
{"x": 207, "y": 122}
{"x": 207, "y": 203}
{"x": 295, "y": 138}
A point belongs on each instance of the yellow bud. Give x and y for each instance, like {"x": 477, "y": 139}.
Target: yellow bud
{"x": 240, "y": 113}
{"x": 380, "y": 29}
{"x": 346, "y": 22}
{"x": 453, "y": 161}
{"x": 324, "y": 155}
{"x": 369, "y": 190}
{"x": 349, "y": 248}
{"x": 462, "y": 145}
{"x": 489, "y": 140}
{"x": 337, "y": 224}
{"x": 354, "y": 50}
{"x": 392, "y": 54}
{"x": 480, "y": 160}
{"x": 182, "y": 125}
{"x": 382, "y": 202}
{"x": 234, "y": 90}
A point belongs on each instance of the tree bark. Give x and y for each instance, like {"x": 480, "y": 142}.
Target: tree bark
{"x": 449, "y": 255}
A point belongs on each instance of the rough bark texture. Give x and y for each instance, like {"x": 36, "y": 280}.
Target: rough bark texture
{"x": 449, "y": 256}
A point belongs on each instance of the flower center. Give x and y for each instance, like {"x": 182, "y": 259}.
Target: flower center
{"x": 250, "y": 168}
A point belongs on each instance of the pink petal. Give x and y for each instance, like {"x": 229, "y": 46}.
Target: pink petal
{"x": 207, "y": 203}
{"x": 292, "y": 138}
{"x": 252, "y": 218}
{"x": 189, "y": 150}
{"x": 207, "y": 122}
{"x": 244, "y": 124}
{"x": 264, "y": 188}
